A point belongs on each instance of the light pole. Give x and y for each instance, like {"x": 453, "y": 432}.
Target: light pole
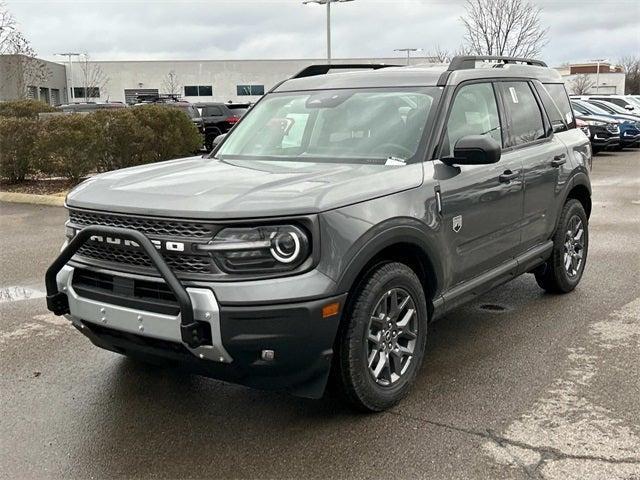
{"x": 598, "y": 61}
{"x": 408, "y": 51}
{"x": 328, "y": 4}
{"x": 69, "y": 55}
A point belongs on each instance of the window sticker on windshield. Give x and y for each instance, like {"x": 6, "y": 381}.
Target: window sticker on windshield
{"x": 514, "y": 95}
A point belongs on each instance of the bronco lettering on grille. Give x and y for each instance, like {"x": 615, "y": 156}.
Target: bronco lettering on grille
{"x": 159, "y": 244}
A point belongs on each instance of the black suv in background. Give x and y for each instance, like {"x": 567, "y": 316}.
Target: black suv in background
{"x": 218, "y": 118}
{"x": 604, "y": 133}
{"x": 338, "y": 218}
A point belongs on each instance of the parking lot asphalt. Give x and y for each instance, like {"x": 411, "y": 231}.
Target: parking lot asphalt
{"x": 519, "y": 384}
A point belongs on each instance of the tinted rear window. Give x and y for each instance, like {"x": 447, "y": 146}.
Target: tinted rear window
{"x": 238, "y": 111}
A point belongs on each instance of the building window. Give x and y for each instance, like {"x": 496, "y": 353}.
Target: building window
{"x": 198, "y": 91}
{"x": 55, "y": 96}
{"x": 91, "y": 92}
{"x": 44, "y": 95}
{"x": 32, "y": 92}
{"x": 250, "y": 90}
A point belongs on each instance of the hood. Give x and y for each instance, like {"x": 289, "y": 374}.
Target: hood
{"x": 214, "y": 189}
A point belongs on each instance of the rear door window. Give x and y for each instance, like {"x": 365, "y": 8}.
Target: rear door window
{"x": 525, "y": 118}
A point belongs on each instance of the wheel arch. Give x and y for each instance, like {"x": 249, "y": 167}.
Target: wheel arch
{"x": 581, "y": 190}
{"x": 409, "y": 244}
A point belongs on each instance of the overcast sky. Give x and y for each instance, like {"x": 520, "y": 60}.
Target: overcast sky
{"x": 248, "y": 29}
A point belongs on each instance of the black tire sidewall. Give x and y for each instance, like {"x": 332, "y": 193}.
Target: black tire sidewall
{"x": 561, "y": 278}
{"x": 361, "y": 386}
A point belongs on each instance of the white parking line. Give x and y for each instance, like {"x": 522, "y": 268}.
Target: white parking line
{"x": 47, "y": 325}
{"x": 17, "y": 293}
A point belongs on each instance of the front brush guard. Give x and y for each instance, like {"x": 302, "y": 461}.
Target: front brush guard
{"x": 191, "y": 331}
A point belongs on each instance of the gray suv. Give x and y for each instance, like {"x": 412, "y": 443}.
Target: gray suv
{"x": 349, "y": 208}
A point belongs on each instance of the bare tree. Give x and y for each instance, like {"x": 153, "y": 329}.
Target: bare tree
{"x": 504, "y": 27}
{"x": 443, "y": 55}
{"x": 23, "y": 67}
{"x": 171, "y": 84}
{"x": 631, "y": 66}
{"x": 581, "y": 84}
{"x": 94, "y": 80}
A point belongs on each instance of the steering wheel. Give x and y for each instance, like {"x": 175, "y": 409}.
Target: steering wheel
{"x": 389, "y": 147}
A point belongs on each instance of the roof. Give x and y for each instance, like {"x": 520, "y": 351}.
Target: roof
{"x": 418, "y": 76}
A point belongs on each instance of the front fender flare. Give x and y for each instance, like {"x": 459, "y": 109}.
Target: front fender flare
{"x": 399, "y": 230}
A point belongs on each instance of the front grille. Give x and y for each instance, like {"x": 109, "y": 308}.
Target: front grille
{"x": 179, "y": 262}
{"x": 149, "y": 226}
{"x": 612, "y": 128}
{"x": 125, "y": 291}
{"x": 187, "y": 262}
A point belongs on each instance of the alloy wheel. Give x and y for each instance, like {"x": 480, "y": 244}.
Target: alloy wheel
{"x": 574, "y": 247}
{"x": 391, "y": 336}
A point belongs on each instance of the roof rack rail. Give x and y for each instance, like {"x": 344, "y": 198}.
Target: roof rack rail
{"x": 469, "y": 62}
{"x": 323, "y": 69}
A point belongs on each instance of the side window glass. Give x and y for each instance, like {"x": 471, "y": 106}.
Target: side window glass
{"x": 561, "y": 100}
{"x": 554, "y": 113}
{"x": 474, "y": 112}
{"x": 525, "y": 118}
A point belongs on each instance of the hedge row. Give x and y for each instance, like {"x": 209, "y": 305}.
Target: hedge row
{"x": 73, "y": 146}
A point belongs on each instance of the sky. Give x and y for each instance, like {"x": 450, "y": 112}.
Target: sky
{"x": 579, "y": 30}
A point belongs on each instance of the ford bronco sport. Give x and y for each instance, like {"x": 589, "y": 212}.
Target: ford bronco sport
{"x": 343, "y": 213}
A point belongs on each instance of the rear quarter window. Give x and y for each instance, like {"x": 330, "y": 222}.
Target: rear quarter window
{"x": 559, "y": 96}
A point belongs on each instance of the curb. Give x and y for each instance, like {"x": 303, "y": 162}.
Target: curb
{"x": 14, "y": 197}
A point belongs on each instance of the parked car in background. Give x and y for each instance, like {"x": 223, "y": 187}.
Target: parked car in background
{"x": 613, "y": 109}
{"x": 628, "y": 124}
{"x": 604, "y": 133}
{"x": 218, "y": 118}
{"x": 620, "y": 100}
{"x": 584, "y": 126}
{"x": 170, "y": 101}
{"x": 88, "y": 107}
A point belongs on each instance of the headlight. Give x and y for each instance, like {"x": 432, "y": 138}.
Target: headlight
{"x": 261, "y": 249}
{"x": 596, "y": 123}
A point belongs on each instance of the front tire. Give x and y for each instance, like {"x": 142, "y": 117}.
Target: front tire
{"x": 563, "y": 271}
{"x": 382, "y": 342}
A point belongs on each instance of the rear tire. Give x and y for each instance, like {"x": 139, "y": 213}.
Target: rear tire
{"x": 381, "y": 343}
{"x": 563, "y": 271}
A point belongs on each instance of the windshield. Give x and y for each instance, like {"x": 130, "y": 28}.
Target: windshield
{"x": 591, "y": 108}
{"x": 356, "y": 125}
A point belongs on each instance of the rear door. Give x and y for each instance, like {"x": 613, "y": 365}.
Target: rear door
{"x": 531, "y": 139}
{"x": 481, "y": 204}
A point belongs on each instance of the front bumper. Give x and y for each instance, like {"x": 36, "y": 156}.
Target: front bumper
{"x": 232, "y": 338}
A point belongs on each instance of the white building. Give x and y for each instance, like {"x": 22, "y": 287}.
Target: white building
{"x": 594, "y": 78}
{"x": 198, "y": 80}
{"x": 215, "y": 80}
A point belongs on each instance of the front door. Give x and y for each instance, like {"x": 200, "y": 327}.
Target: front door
{"x": 482, "y": 205}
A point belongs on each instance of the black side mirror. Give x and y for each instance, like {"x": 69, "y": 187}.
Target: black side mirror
{"x": 629, "y": 107}
{"x": 475, "y": 150}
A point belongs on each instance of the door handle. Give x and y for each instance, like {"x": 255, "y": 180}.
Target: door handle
{"x": 508, "y": 175}
{"x": 559, "y": 160}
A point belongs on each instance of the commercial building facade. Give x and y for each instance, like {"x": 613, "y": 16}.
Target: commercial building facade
{"x": 201, "y": 80}
{"x": 206, "y": 80}
{"x": 22, "y": 76}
